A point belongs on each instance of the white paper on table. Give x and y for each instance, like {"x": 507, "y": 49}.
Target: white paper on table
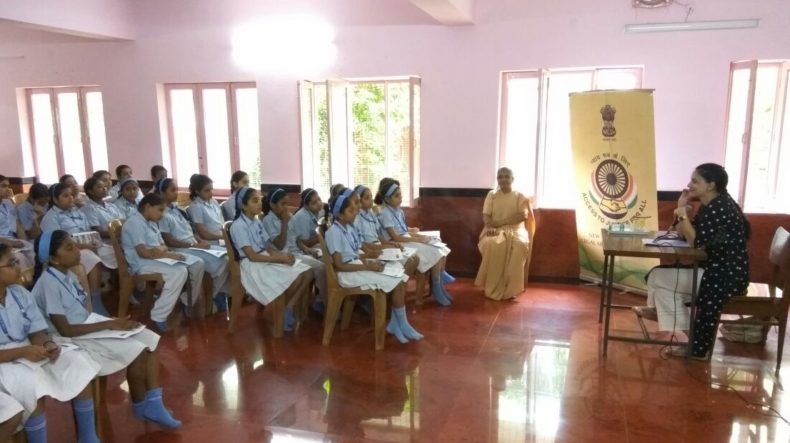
{"x": 107, "y": 333}
{"x": 672, "y": 243}
{"x": 169, "y": 261}
{"x": 393, "y": 269}
{"x": 215, "y": 252}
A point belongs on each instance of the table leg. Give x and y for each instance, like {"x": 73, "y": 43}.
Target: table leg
{"x": 603, "y": 287}
{"x": 692, "y": 310}
{"x": 609, "y": 281}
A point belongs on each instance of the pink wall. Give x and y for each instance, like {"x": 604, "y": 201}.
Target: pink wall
{"x": 459, "y": 67}
{"x": 96, "y": 18}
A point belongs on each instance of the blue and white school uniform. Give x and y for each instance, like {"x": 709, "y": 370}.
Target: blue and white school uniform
{"x": 395, "y": 218}
{"x": 74, "y": 221}
{"x": 139, "y": 231}
{"x": 368, "y": 226}
{"x": 264, "y": 281}
{"x": 62, "y": 379}
{"x": 176, "y": 224}
{"x": 229, "y": 207}
{"x": 26, "y": 214}
{"x": 125, "y": 207}
{"x": 346, "y": 241}
{"x": 61, "y": 294}
{"x": 8, "y": 222}
{"x": 208, "y": 214}
{"x": 115, "y": 193}
{"x": 101, "y": 214}
{"x": 272, "y": 224}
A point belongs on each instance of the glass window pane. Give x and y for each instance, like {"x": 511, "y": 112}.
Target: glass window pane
{"x": 758, "y": 183}
{"x": 557, "y": 159}
{"x": 182, "y": 113}
{"x": 782, "y": 203}
{"x": 736, "y": 124}
{"x": 306, "y": 119}
{"x": 368, "y": 134}
{"x": 71, "y": 135}
{"x": 96, "y": 131}
{"x": 322, "y": 176}
{"x": 215, "y": 123}
{"x": 44, "y": 138}
{"x": 249, "y": 139}
{"x": 399, "y": 132}
{"x": 521, "y": 131}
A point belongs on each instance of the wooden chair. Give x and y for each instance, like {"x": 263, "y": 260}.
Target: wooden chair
{"x": 126, "y": 281}
{"x": 337, "y": 296}
{"x": 771, "y": 310}
{"x": 237, "y": 291}
{"x": 183, "y": 200}
{"x": 20, "y": 198}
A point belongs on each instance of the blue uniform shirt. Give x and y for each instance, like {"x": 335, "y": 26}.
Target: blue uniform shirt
{"x": 393, "y": 218}
{"x": 71, "y": 220}
{"x": 368, "y": 226}
{"x": 139, "y": 231}
{"x": 345, "y": 240}
{"x": 207, "y": 213}
{"x": 26, "y": 214}
{"x": 19, "y": 317}
{"x": 127, "y": 208}
{"x": 272, "y": 224}
{"x": 7, "y": 219}
{"x": 304, "y": 224}
{"x": 246, "y": 232}
{"x": 60, "y": 294}
{"x": 176, "y": 224}
{"x": 101, "y": 214}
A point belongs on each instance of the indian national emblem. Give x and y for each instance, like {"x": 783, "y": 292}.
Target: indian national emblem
{"x": 607, "y": 114}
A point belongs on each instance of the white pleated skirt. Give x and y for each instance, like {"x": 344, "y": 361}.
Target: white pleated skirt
{"x": 429, "y": 255}
{"x": 105, "y": 255}
{"x": 9, "y": 407}
{"x": 62, "y": 379}
{"x": 369, "y": 279}
{"x": 267, "y": 281}
{"x": 113, "y": 354}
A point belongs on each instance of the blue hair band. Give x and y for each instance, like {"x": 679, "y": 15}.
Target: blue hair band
{"x": 308, "y": 193}
{"x": 163, "y": 184}
{"x": 126, "y": 181}
{"x": 391, "y": 190}
{"x": 274, "y": 193}
{"x": 44, "y": 243}
{"x": 360, "y": 189}
{"x": 339, "y": 204}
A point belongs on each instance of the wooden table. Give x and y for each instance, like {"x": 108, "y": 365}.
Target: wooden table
{"x": 618, "y": 245}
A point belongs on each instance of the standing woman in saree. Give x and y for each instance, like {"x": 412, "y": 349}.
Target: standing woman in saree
{"x": 504, "y": 242}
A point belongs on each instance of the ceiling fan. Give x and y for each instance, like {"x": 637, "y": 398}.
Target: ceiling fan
{"x": 651, "y": 3}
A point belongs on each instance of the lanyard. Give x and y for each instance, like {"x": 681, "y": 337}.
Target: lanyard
{"x": 215, "y": 210}
{"x": 77, "y": 292}
{"x": 351, "y": 237}
{"x": 28, "y": 322}
{"x": 396, "y": 215}
{"x": 260, "y": 245}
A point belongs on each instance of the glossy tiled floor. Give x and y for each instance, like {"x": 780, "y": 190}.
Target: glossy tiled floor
{"x": 486, "y": 372}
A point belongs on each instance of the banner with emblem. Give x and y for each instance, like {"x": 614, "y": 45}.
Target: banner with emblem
{"x": 614, "y": 161}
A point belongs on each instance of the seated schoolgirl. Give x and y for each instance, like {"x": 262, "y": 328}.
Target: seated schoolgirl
{"x": 32, "y": 210}
{"x": 355, "y": 270}
{"x": 177, "y": 233}
{"x": 10, "y": 416}
{"x": 432, "y": 258}
{"x": 69, "y": 181}
{"x": 11, "y": 232}
{"x": 205, "y": 211}
{"x": 64, "y": 215}
{"x": 122, "y": 172}
{"x": 304, "y": 244}
{"x": 370, "y": 230}
{"x": 97, "y": 210}
{"x": 63, "y": 301}
{"x": 129, "y": 197}
{"x": 143, "y": 246}
{"x": 33, "y": 367}
{"x": 266, "y": 273}
{"x": 238, "y": 180}
{"x": 279, "y": 226}
{"x": 158, "y": 172}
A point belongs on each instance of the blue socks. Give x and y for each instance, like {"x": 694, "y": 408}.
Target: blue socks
{"x": 393, "y": 327}
{"x": 439, "y": 293}
{"x": 447, "y": 278}
{"x": 36, "y": 429}
{"x": 290, "y": 320}
{"x": 221, "y": 302}
{"x": 319, "y": 307}
{"x": 153, "y": 409}
{"x": 408, "y": 331}
{"x": 161, "y": 326}
{"x": 86, "y": 422}
{"x": 98, "y": 305}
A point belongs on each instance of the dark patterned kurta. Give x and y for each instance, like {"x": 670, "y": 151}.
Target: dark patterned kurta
{"x": 721, "y": 233}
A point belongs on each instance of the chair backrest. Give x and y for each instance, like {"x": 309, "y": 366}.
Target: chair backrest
{"x": 233, "y": 261}
{"x": 331, "y": 276}
{"x": 20, "y": 198}
{"x": 779, "y": 256}
{"x": 778, "y": 252}
{"x": 183, "y": 199}
{"x": 116, "y": 228}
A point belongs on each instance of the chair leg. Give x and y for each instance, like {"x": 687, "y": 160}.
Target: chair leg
{"x": 208, "y": 300}
{"x": 236, "y": 300}
{"x": 780, "y": 343}
{"x": 278, "y": 316}
{"x": 380, "y": 314}
{"x": 348, "y": 310}
{"x": 419, "y": 291}
{"x": 124, "y": 291}
{"x": 99, "y": 388}
{"x": 330, "y": 316}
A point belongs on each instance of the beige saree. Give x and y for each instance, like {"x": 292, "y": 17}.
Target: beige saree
{"x": 501, "y": 271}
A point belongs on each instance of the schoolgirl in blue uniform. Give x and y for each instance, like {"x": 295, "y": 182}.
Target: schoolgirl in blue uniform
{"x": 128, "y": 197}
{"x": 393, "y": 220}
{"x": 143, "y": 244}
{"x": 266, "y": 273}
{"x": 32, "y": 210}
{"x": 10, "y": 229}
{"x": 177, "y": 232}
{"x": 302, "y": 227}
{"x": 48, "y": 371}
{"x": 356, "y": 270}
{"x": 65, "y": 305}
{"x": 205, "y": 211}
{"x": 238, "y": 180}
{"x": 98, "y": 211}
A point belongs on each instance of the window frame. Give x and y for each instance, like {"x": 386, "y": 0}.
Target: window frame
{"x": 230, "y": 88}
{"x": 82, "y": 109}
{"x": 544, "y": 84}
{"x": 340, "y": 169}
